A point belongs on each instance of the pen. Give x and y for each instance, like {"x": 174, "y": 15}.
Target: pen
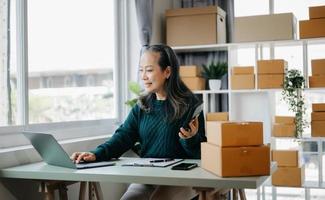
{"x": 162, "y": 160}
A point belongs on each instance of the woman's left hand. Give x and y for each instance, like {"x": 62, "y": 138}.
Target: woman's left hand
{"x": 194, "y": 126}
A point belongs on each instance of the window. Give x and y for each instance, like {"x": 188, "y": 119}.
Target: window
{"x": 71, "y": 57}
{"x": 251, "y": 7}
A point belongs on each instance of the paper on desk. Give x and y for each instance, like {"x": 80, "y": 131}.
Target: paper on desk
{"x": 145, "y": 162}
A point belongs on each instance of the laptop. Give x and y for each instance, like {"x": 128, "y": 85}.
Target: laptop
{"x": 53, "y": 154}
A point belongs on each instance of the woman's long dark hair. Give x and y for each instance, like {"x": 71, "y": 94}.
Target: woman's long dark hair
{"x": 179, "y": 97}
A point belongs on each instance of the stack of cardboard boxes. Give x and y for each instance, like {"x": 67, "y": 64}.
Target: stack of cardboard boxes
{"x": 270, "y": 73}
{"x": 217, "y": 116}
{"x": 190, "y": 75}
{"x": 242, "y": 78}
{"x": 284, "y": 126}
{"x": 315, "y": 26}
{"x": 235, "y": 149}
{"x": 318, "y": 73}
{"x": 290, "y": 171}
{"x": 318, "y": 120}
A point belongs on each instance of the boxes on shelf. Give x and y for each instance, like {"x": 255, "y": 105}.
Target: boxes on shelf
{"x": 194, "y": 83}
{"x": 317, "y": 81}
{"x": 244, "y": 81}
{"x": 318, "y": 120}
{"x": 269, "y": 81}
{"x": 284, "y": 130}
{"x": 286, "y": 158}
{"x": 289, "y": 176}
{"x": 318, "y": 107}
{"x": 318, "y": 67}
{"x": 242, "y": 70}
{"x": 316, "y": 12}
{"x": 312, "y": 28}
{"x": 318, "y": 116}
{"x": 235, "y": 161}
{"x": 275, "y": 66}
{"x": 217, "y": 116}
{"x": 227, "y": 134}
{"x": 189, "y": 71}
{"x": 265, "y": 27}
{"x": 284, "y": 119}
{"x": 318, "y": 128}
{"x": 195, "y": 26}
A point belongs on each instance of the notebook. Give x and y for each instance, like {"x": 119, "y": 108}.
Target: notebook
{"x": 152, "y": 162}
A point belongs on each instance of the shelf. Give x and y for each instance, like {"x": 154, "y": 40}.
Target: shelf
{"x": 211, "y": 91}
{"x": 307, "y": 184}
{"x": 307, "y": 139}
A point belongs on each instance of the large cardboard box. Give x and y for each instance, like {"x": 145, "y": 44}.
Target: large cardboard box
{"x": 316, "y": 12}
{"x": 318, "y": 67}
{"x": 284, "y": 120}
{"x": 317, "y": 81}
{"x": 289, "y": 176}
{"x": 275, "y": 66}
{"x": 270, "y": 81}
{"x": 235, "y": 161}
{"x": 318, "y": 128}
{"x": 226, "y": 134}
{"x": 189, "y": 71}
{"x": 318, "y": 107}
{"x": 218, "y": 116}
{"x": 313, "y": 28}
{"x": 286, "y": 158}
{"x": 284, "y": 130}
{"x": 194, "y": 26}
{"x": 240, "y": 82}
{"x": 265, "y": 27}
{"x": 242, "y": 70}
{"x": 318, "y": 116}
{"x": 194, "y": 83}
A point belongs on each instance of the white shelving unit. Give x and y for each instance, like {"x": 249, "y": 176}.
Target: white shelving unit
{"x": 259, "y": 104}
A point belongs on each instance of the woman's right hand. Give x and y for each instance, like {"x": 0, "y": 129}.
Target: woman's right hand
{"x": 76, "y": 157}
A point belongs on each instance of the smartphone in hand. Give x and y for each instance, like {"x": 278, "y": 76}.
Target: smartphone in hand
{"x": 192, "y": 113}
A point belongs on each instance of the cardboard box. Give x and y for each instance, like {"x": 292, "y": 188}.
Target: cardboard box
{"x": 194, "y": 83}
{"x": 218, "y": 116}
{"x": 189, "y": 71}
{"x": 245, "y": 81}
{"x": 195, "y": 26}
{"x": 226, "y": 134}
{"x": 318, "y": 116}
{"x": 270, "y": 81}
{"x": 286, "y": 158}
{"x": 318, "y": 128}
{"x": 284, "y": 120}
{"x": 275, "y": 66}
{"x": 235, "y": 161}
{"x": 289, "y": 176}
{"x": 242, "y": 70}
{"x": 318, "y": 107}
{"x": 265, "y": 27}
{"x": 313, "y": 28}
{"x": 316, "y": 12}
{"x": 318, "y": 67}
{"x": 317, "y": 81}
{"x": 284, "y": 130}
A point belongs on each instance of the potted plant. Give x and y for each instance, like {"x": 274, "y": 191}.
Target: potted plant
{"x": 294, "y": 84}
{"x": 134, "y": 88}
{"x": 214, "y": 72}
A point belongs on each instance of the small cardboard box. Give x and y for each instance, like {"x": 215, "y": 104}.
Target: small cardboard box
{"x": 195, "y": 26}
{"x": 284, "y": 120}
{"x": 265, "y": 27}
{"x": 318, "y": 116}
{"x": 270, "y": 81}
{"x": 289, "y": 176}
{"x": 318, "y": 107}
{"x": 235, "y": 161}
{"x": 317, "y": 81}
{"x": 275, "y": 66}
{"x": 218, "y": 116}
{"x": 242, "y": 70}
{"x": 318, "y": 67}
{"x": 313, "y": 28}
{"x": 286, "y": 158}
{"x": 316, "y": 12}
{"x": 244, "y": 81}
{"x": 318, "y": 128}
{"x": 194, "y": 83}
{"x": 226, "y": 134}
{"x": 189, "y": 71}
{"x": 284, "y": 130}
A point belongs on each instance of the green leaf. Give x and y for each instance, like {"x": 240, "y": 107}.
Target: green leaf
{"x": 134, "y": 87}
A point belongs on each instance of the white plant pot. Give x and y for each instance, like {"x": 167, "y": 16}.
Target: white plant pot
{"x": 215, "y": 84}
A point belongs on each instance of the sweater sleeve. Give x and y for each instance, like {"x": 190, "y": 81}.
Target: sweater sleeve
{"x": 122, "y": 140}
{"x": 192, "y": 145}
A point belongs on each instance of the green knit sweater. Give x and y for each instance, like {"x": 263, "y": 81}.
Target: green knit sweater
{"x": 158, "y": 137}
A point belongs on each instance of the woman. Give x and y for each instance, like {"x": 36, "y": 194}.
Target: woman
{"x": 156, "y": 121}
